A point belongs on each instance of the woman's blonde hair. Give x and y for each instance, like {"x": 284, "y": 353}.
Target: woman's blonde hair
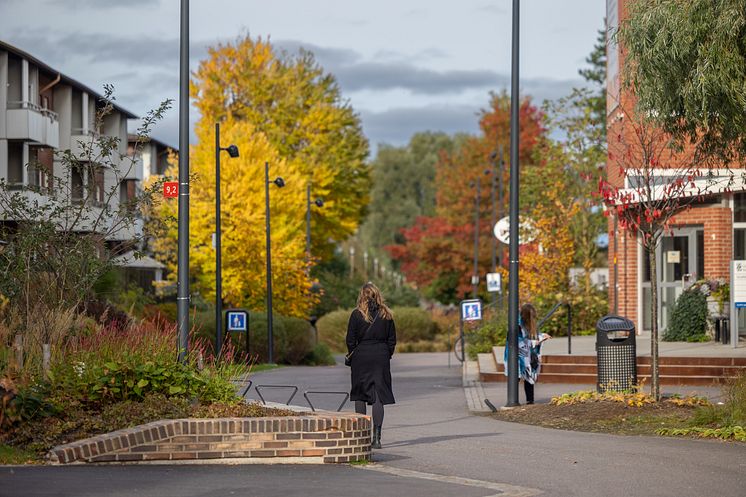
{"x": 528, "y": 316}
{"x": 370, "y": 293}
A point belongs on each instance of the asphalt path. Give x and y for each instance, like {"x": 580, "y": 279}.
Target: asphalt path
{"x": 432, "y": 446}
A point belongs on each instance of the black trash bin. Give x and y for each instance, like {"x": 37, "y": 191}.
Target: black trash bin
{"x": 616, "y": 353}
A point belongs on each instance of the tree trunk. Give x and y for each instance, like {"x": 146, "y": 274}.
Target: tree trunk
{"x": 654, "y": 379}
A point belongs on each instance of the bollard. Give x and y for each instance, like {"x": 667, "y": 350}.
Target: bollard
{"x": 19, "y": 351}
{"x": 46, "y": 359}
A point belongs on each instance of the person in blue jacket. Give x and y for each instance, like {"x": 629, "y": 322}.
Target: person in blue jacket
{"x": 529, "y": 350}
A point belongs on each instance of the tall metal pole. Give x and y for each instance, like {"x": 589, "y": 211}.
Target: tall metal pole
{"x": 500, "y": 197}
{"x": 308, "y": 226}
{"x": 475, "y": 275}
{"x": 514, "y": 185}
{"x": 218, "y": 253}
{"x": 493, "y": 221}
{"x": 182, "y": 292}
{"x": 269, "y": 267}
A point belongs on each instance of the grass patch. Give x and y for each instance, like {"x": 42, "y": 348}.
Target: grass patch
{"x": 15, "y": 455}
{"x": 359, "y": 463}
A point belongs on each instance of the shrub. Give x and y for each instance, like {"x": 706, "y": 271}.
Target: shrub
{"x": 332, "y": 329}
{"x": 413, "y": 324}
{"x": 491, "y": 333}
{"x": 689, "y": 317}
{"x": 298, "y": 340}
{"x": 320, "y": 355}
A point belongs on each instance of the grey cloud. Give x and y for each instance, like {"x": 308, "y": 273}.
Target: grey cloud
{"x": 328, "y": 56}
{"x": 395, "y": 126}
{"x": 143, "y": 51}
{"x": 104, "y": 4}
{"x": 389, "y": 76}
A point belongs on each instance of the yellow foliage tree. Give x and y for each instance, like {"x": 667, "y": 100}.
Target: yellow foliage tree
{"x": 544, "y": 271}
{"x": 299, "y": 109}
{"x": 243, "y": 223}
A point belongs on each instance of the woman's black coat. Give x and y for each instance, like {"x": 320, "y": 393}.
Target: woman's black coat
{"x": 371, "y": 371}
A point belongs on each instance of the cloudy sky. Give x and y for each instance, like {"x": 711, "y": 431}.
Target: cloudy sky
{"x": 405, "y": 65}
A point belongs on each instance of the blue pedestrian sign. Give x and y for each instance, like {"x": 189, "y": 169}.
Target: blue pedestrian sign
{"x": 471, "y": 310}
{"x": 237, "y": 320}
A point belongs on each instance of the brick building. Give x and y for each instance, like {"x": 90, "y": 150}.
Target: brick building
{"x": 704, "y": 239}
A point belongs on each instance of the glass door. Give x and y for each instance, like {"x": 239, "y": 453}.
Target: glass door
{"x": 680, "y": 260}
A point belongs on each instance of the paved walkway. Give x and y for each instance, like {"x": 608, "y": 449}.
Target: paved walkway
{"x": 431, "y": 431}
{"x": 586, "y": 345}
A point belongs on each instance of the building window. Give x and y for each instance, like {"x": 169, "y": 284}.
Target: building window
{"x": 40, "y": 166}
{"x": 97, "y": 174}
{"x": 15, "y": 93}
{"x": 15, "y": 164}
{"x": 77, "y": 184}
{"x": 77, "y": 112}
{"x": 739, "y": 207}
{"x": 700, "y": 254}
{"x": 739, "y": 244}
{"x": 128, "y": 194}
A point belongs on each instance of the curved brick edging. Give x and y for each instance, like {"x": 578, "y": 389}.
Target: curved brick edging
{"x": 325, "y": 438}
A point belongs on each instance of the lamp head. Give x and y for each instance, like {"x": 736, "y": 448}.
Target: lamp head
{"x": 319, "y": 202}
{"x": 279, "y": 182}
{"x": 232, "y": 151}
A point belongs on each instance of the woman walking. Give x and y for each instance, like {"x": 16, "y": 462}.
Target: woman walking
{"x": 371, "y": 339}
{"x": 529, "y": 350}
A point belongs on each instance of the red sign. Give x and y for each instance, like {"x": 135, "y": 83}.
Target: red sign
{"x": 171, "y": 189}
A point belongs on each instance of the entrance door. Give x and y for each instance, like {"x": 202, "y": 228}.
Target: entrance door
{"x": 680, "y": 260}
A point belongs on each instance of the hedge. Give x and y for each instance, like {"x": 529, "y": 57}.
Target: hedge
{"x": 412, "y": 325}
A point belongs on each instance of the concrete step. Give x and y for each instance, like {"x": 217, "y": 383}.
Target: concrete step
{"x": 581, "y": 369}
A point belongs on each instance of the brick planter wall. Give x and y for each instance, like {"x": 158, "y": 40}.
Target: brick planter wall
{"x": 325, "y": 438}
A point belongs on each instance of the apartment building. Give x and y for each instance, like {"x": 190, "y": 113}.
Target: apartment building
{"x": 43, "y": 111}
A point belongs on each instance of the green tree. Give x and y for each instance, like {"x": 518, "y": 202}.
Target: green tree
{"x": 403, "y": 188}
{"x": 595, "y": 76}
{"x": 686, "y": 62}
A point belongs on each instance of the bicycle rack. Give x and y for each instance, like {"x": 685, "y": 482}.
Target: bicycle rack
{"x": 346, "y": 394}
{"x": 247, "y": 389}
{"x": 259, "y": 392}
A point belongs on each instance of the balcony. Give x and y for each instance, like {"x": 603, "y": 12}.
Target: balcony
{"x": 131, "y": 168}
{"x": 85, "y": 146}
{"x": 29, "y": 122}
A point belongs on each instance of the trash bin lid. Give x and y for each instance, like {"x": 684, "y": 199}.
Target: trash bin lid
{"x": 615, "y": 323}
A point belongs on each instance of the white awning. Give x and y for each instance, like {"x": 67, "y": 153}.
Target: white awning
{"x": 129, "y": 260}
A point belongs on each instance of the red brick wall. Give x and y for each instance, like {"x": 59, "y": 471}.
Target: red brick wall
{"x": 327, "y": 438}
{"x": 718, "y": 252}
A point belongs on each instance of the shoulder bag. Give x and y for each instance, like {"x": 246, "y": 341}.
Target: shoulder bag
{"x": 348, "y": 356}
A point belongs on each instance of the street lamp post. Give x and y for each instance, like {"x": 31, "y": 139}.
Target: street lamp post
{"x": 514, "y": 184}
{"x": 233, "y": 152}
{"x": 500, "y": 197}
{"x": 318, "y": 203}
{"x": 493, "y": 239}
{"x": 475, "y": 275}
{"x": 182, "y": 288}
{"x": 280, "y": 183}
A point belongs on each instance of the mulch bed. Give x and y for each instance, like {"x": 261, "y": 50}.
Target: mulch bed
{"x": 600, "y": 416}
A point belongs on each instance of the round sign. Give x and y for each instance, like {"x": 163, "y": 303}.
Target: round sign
{"x": 526, "y": 230}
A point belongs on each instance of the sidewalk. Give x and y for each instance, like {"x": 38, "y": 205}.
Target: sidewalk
{"x": 586, "y": 345}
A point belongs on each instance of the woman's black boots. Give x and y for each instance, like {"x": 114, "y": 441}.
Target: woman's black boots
{"x": 376, "y": 442}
